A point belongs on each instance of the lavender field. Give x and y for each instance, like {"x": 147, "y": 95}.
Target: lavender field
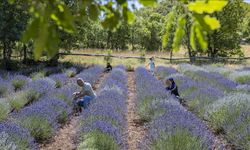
{"x": 133, "y": 110}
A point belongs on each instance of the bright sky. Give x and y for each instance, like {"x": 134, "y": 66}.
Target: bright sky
{"x": 138, "y": 5}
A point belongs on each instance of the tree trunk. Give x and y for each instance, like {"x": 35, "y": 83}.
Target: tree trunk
{"x": 54, "y": 61}
{"x": 108, "y": 39}
{"x": 171, "y": 55}
{"x": 4, "y": 50}
{"x": 6, "y": 55}
{"x": 24, "y": 54}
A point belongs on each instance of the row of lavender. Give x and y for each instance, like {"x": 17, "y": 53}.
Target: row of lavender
{"x": 216, "y": 99}
{"x": 170, "y": 125}
{"x": 103, "y": 123}
{"x": 40, "y": 120}
{"x": 238, "y": 74}
{"x": 17, "y": 90}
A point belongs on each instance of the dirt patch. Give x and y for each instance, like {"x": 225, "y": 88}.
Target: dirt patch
{"x": 136, "y": 128}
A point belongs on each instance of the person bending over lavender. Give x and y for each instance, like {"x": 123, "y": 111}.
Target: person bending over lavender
{"x": 172, "y": 87}
{"x": 83, "y": 98}
{"x": 108, "y": 68}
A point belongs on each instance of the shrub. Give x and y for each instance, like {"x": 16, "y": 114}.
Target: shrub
{"x": 97, "y": 140}
{"x": 240, "y": 77}
{"x": 14, "y": 137}
{"x": 18, "y": 84}
{"x": 22, "y": 98}
{"x": 3, "y": 90}
{"x": 38, "y": 126}
{"x": 6, "y": 143}
{"x": 180, "y": 140}
{"x": 19, "y": 81}
{"x": 129, "y": 68}
{"x": 41, "y": 86}
{"x": 59, "y": 78}
{"x": 37, "y": 75}
{"x": 71, "y": 72}
{"x": 4, "y": 109}
{"x": 231, "y": 115}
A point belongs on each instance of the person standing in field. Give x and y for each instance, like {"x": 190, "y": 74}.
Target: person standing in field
{"x": 83, "y": 98}
{"x": 151, "y": 65}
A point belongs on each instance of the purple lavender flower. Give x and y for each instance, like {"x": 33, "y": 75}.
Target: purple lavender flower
{"x": 162, "y": 71}
{"x": 91, "y": 75}
{"x": 104, "y": 127}
{"x": 60, "y": 78}
{"x": 106, "y": 118}
{"x": 17, "y": 135}
{"x": 41, "y": 86}
{"x": 174, "y": 119}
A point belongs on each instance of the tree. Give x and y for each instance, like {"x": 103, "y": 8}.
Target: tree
{"x": 226, "y": 40}
{"x": 49, "y": 16}
{"x": 13, "y": 21}
{"x": 246, "y": 22}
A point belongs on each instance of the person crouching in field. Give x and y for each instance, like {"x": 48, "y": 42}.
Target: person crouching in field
{"x": 172, "y": 87}
{"x": 82, "y": 99}
{"x": 108, "y": 68}
{"x": 151, "y": 65}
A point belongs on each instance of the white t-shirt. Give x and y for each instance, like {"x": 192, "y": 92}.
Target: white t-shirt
{"x": 88, "y": 90}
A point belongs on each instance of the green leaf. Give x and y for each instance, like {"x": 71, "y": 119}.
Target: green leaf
{"x": 128, "y": 15}
{"x": 111, "y": 21}
{"x": 31, "y": 31}
{"x": 40, "y": 42}
{"x": 201, "y": 37}
{"x": 169, "y": 26}
{"x": 148, "y": 2}
{"x": 93, "y": 12}
{"x": 11, "y": 1}
{"x": 212, "y": 22}
{"x": 180, "y": 32}
{"x": 120, "y": 2}
{"x": 210, "y": 7}
{"x": 192, "y": 37}
{"x": 52, "y": 42}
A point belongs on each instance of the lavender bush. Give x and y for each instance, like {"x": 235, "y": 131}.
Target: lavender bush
{"x": 41, "y": 86}
{"x": 5, "y": 88}
{"x": 37, "y": 75}
{"x": 163, "y": 72}
{"x": 91, "y": 75}
{"x": 231, "y": 114}
{"x": 5, "y": 108}
{"x": 148, "y": 90}
{"x": 174, "y": 126}
{"x": 19, "y": 81}
{"x": 15, "y": 137}
{"x": 240, "y": 76}
{"x": 71, "y": 72}
{"x": 103, "y": 123}
{"x": 60, "y": 79}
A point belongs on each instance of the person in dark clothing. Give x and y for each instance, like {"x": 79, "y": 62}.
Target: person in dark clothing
{"x": 172, "y": 87}
{"x": 108, "y": 68}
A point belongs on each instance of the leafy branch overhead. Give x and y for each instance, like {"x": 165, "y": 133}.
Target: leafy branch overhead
{"x": 51, "y": 16}
{"x": 202, "y": 22}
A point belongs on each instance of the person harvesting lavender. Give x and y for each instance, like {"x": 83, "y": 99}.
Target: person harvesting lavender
{"x": 172, "y": 87}
{"x": 83, "y": 98}
{"x": 151, "y": 65}
{"x": 108, "y": 68}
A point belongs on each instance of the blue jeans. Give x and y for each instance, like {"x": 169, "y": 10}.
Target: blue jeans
{"x": 85, "y": 101}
